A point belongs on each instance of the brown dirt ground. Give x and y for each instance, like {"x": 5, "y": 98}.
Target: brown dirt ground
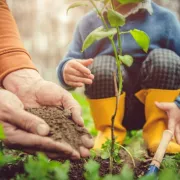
{"x": 77, "y": 167}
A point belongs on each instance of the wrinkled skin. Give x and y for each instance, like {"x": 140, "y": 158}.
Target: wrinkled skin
{"x": 26, "y": 131}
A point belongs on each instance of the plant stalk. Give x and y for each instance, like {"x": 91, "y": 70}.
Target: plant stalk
{"x": 117, "y": 91}
{"x": 112, "y": 124}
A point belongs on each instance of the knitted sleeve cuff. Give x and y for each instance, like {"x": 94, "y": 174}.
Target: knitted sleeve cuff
{"x": 177, "y": 102}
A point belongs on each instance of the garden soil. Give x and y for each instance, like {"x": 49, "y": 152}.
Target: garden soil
{"x": 77, "y": 167}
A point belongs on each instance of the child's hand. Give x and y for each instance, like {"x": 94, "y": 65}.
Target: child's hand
{"x": 76, "y": 72}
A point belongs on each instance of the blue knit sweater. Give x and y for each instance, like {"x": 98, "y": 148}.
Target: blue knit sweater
{"x": 162, "y": 27}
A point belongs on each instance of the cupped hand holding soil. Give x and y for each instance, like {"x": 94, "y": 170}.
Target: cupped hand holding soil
{"x": 63, "y": 128}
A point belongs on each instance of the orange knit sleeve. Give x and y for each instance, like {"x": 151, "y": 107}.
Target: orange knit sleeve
{"x": 13, "y": 56}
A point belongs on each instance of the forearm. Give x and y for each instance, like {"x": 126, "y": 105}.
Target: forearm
{"x": 13, "y": 56}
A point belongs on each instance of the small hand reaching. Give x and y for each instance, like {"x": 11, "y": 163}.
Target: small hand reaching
{"x": 76, "y": 73}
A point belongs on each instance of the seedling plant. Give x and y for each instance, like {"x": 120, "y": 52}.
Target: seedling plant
{"x": 111, "y": 29}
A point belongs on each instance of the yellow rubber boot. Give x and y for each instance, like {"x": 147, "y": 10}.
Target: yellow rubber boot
{"x": 102, "y": 111}
{"x": 156, "y": 119}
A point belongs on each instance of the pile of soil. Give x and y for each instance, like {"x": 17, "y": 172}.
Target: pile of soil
{"x": 62, "y": 127}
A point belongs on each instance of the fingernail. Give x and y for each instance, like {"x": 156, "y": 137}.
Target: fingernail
{"x": 87, "y": 142}
{"x": 75, "y": 155}
{"x": 42, "y": 129}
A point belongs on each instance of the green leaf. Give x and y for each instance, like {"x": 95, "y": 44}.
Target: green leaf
{"x": 126, "y": 173}
{"x": 141, "y": 38}
{"x": 37, "y": 169}
{"x": 169, "y": 162}
{"x": 61, "y": 170}
{"x": 127, "y": 60}
{"x": 105, "y": 154}
{"x": 41, "y": 167}
{"x": 7, "y": 159}
{"x": 93, "y": 153}
{"x": 128, "y": 1}
{"x": 92, "y": 170}
{"x": 2, "y": 136}
{"x": 115, "y": 19}
{"x": 76, "y": 4}
{"x": 149, "y": 177}
{"x": 98, "y": 34}
{"x": 112, "y": 177}
{"x": 168, "y": 174}
{"x": 117, "y": 159}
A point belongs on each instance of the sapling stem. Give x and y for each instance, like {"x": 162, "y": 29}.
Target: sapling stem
{"x": 100, "y": 14}
{"x": 118, "y": 53}
{"x": 117, "y": 91}
{"x": 112, "y": 124}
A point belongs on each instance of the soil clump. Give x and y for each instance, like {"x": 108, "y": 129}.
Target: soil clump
{"x": 62, "y": 127}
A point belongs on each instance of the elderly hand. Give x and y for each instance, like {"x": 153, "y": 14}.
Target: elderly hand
{"x": 173, "y": 113}
{"x": 34, "y": 91}
{"x": 25, "y": 131}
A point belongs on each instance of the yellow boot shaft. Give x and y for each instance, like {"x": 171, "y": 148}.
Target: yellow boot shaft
{"x": 102, "y": 111}
{"x": 156, "y": 119}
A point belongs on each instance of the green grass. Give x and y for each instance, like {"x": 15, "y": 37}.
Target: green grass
{"x": 86, "y": 114}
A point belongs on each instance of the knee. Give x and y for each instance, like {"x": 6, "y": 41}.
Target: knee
{"x": 161, "y": 61}
{"x": 161, "y": 69}
{"x": 103, "y": 84}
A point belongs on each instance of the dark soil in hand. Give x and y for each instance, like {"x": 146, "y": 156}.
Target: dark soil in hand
{"x": 63, "y": 128}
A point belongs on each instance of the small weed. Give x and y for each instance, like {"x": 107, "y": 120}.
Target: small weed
{"x": 92, "y": 170}
{"x": 88, "y": 121}
{"x": 7, "y": 159}
{"x": 105, "y": 151}
{"x": 171, "y": 162}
